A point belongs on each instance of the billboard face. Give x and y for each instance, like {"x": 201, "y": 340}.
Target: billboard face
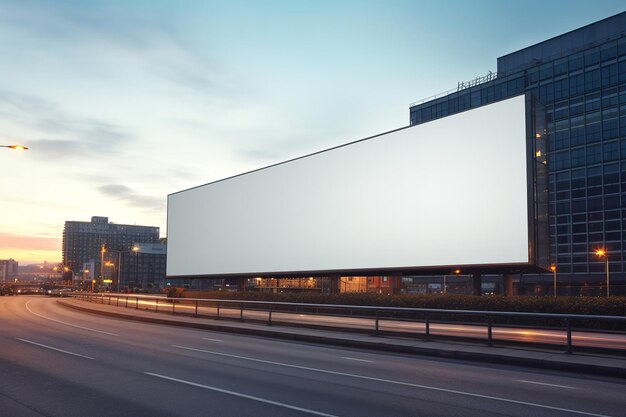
{"x": 451, "y": 192}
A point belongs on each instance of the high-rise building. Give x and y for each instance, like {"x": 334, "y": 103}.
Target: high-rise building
{"x": 83, "y": 242}
{"x": 8, "y": 270}
{"x": 580, "y": 77}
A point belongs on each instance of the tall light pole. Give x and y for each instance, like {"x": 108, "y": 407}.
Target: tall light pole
{"x": 102, "y": 250}
{"x": 82, "y": 283}
{"x": 603, "y": 253}
{"x": 67, "y": 269}
{"x": 134, "y": 249}
{"x": 15, "y": 147}
{"x": 553, "y": 269}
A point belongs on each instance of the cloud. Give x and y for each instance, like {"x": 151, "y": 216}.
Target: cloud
{"x": 148, "y": 35}
{"x": 66, "y": 135}
{"x": 129, "y": 196}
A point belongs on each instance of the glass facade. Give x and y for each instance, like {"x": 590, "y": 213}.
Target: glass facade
{"x": 82, "y": 241}
{"x": 580, "y": 77}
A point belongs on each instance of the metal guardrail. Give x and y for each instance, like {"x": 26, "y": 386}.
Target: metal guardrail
{"x": 428, "y": 314}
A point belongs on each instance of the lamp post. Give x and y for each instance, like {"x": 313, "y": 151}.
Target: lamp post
{"x": 553, "y": 269}
{"x": 15, "y": 147}
{"x": 603, "y": 253}
{"x": 67, "y": 269}
{"x": 82, "y": 283}
{"x": 134, "y": 249}
{"x": 102, "y": 250}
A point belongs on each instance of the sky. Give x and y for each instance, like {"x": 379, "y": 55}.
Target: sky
{"x": 124, "y": 102}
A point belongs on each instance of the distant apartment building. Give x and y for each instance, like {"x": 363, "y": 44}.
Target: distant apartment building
{"x": 83, "y": 242}
{"x": 8, "y": 270}
{"x": 143, "y": 267}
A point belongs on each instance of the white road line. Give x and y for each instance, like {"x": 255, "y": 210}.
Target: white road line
{"x": 390, "y": 381}
{"x": 53, "y": 348}
{"x": 212, "y": 340}
{"x": 355, "y": 359}
{"x": 543, "y": 383}
{"x": 238, "y": 394}
{"x": 69, "y": 324}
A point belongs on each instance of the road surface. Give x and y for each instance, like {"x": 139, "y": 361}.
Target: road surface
{"x": 60, "y": 362}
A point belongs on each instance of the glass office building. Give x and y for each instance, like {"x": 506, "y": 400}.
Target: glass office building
{"x": 580, "y": 77}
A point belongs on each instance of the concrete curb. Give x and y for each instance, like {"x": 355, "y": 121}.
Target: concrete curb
{"x": 587, "y": 364}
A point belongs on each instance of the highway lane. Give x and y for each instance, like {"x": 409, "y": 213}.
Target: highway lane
{"x": 514, "y": 334}
{"x": 60, "y": 362}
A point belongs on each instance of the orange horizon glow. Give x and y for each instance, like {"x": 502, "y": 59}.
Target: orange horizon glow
{"x": 27, "y": 250}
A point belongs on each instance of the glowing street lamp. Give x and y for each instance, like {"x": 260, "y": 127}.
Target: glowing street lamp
{"x": 603, "y": 253}
{"x": 15, "y": 147}
{"x": 67, "y": 269}
{"x": 135, "y": 249}
{"x": 553, "y": 269}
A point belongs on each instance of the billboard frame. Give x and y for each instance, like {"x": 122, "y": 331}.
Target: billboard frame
{"x": 537, "y": 213}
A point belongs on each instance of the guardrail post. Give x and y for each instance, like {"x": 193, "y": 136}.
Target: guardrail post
{"x": 269, "y": 320}
{"x": 568, "y": 324}
{"x": 136, "y": 303}
{"x": 196, "y": 308}
{"x": 173, "y": 306}
{"x": 218, "y": 311}
{"x": 241, "y": 313}
{"x": 376, "y": 331}
{"x": 109, "y": 299}
{"x": 117, "y": 300}
{"x": 156, "y": 307}
{"x": 126, "y": 302}
{"x": 489, "y": 331}
{"x": 426, "y": 326}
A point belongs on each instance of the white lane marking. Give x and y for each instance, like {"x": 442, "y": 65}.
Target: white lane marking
{"x": 544, "y": 383}
{"x": 356, "y": 359}
{"x": 53, "y": 348}
{"x": 69, "y": 324}
{"x": 238, "y": 394}
{"x": 212, "y": 340}
{"x": 390, "y": 381}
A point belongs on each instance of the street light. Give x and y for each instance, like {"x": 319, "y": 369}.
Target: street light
{"x": 102, "y": 250}
{"x": 82, "y": 281}
{"x": 553, "y": 269}
{"x": 16, "y": 147}
{"x": 134, "y": 249}
{"x": 603, "y": 253}
{"x": 67, "y": 269}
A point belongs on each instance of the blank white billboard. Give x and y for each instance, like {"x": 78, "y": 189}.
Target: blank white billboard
{"x": 451, "y": 192}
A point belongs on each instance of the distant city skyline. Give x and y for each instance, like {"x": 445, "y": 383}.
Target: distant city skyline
{"x": 123, "y": 103}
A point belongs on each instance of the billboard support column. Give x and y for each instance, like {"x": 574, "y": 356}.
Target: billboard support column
{"x": 477, "y": 283}
{"x": 396, "y": 283}
{"x": 334, "y": 283}
{"x": 507, "y": 280}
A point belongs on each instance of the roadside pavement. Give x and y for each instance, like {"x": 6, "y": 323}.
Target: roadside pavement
{"x": 523, "y": 356}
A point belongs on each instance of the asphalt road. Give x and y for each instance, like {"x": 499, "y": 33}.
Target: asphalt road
{"x": 56, "y": 361}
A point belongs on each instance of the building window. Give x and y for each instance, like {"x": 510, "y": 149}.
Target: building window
{"x": 611, "y": 151}
{"x": 578, "y": 160}
{"x": 561, "y": 160}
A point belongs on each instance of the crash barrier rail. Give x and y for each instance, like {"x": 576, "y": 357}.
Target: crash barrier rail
{"x": 198, "y": 307}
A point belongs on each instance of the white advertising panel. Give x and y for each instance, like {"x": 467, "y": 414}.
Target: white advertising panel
{"x": 451, "y": 192}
